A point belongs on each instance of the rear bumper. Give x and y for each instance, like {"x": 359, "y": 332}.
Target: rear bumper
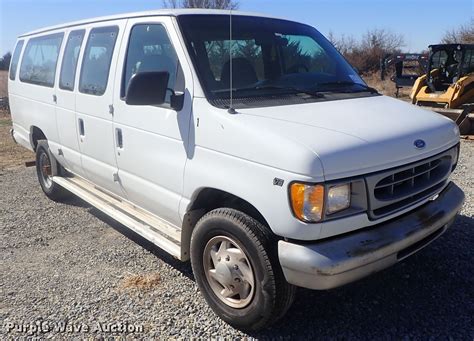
{"x": 341, "y": 260}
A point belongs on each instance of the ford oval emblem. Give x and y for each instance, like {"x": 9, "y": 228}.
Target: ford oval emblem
{"x": 419, "y": 144}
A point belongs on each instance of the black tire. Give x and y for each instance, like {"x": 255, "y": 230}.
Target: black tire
{"x": 272, "y": 295}
{"x": 50, "y": 188}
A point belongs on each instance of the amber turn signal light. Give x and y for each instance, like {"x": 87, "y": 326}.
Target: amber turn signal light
{"x": 307, "y": 201}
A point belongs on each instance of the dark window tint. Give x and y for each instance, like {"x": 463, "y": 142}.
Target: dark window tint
{"x": 71, "y": 55}
{"x": 39, "y": 60}
{"x": 150, "y": 49}
{"x": 97, "y": 58}
{"x": 15, "y": 59}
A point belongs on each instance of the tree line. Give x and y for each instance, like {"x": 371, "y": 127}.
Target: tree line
{"x": 366, "y": 53}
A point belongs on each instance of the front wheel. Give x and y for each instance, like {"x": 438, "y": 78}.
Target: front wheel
{"x": 45, "y": 176}
{"x": 235, "y": 263}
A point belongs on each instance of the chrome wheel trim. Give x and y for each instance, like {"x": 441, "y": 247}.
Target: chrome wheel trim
{"x": 45, "y": 170}
{"x": 229, "y": 272}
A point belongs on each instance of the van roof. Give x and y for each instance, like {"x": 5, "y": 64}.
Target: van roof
{"x": 162, "y": 12}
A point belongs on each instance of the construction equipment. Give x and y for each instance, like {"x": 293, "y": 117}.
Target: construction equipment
{"x": 448, "y": 85}
{"x": 407, "y": 68}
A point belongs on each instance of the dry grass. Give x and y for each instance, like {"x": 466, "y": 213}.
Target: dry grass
{"x": 141, "y": 282}
{"x": 3, "y": 83}
{"x": 387, "y": 87}
{"x": 11, "y": 155}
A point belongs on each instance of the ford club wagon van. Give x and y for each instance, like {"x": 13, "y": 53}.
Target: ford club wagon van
{"x": 243, "y": 143}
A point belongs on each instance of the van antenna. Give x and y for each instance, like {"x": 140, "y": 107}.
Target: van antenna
{"x": 231, "y": 43}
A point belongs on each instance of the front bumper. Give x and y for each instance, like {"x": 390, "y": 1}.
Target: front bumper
{"x": 341, "y": 260}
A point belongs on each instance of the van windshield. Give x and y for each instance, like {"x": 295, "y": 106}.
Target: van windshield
{"x": 269, "y": 57}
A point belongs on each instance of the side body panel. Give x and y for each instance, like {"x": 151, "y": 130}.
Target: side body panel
{"x": 230, "y": 155}
{"x": 32, "y": 105}
{"x": 66, "y": 117}
{"x": 152, "y": 158}
{"x": 93, "y": 113}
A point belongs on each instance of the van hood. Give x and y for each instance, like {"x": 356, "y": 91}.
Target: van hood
{"x": 362, "y": 135}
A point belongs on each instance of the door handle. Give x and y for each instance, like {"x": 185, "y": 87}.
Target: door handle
{"x": 81, "y": 127}
{"x": 119, "y": 138}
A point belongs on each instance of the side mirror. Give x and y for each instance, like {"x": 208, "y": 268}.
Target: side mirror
{"x": 147, "y": 88}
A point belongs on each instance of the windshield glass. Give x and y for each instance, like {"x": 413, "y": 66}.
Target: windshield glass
{"x": 269, "y": 56}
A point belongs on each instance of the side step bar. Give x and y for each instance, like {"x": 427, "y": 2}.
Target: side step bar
{"x": 150, "y": 227}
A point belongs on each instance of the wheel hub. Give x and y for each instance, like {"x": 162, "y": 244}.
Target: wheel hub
{"x": 223, "y": 273}
{"x": 229, "y": 272}
{"x": 45, "y": 169}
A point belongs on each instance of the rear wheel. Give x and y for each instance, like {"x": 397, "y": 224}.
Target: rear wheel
{"x": 235, "y": 263}
{"x": 45, "y": 177}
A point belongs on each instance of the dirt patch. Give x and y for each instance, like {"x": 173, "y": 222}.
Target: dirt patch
{"x": 12, "y": 155}
{"x": 3, "y": 83}
{"x": 141, "y": 282}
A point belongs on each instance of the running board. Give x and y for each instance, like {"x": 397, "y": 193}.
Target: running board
{"x": 150, "y": 227}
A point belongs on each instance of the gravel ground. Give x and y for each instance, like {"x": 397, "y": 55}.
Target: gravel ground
{"x": 68, "y": 263}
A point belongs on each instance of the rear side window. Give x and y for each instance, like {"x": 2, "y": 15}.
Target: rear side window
{"x": 97, "y": 58}
{"x": 39, "y": 60}
{"x": 15, "y": 59}
{"x": 69, "y": 64}
{"x": 150, "y": 49}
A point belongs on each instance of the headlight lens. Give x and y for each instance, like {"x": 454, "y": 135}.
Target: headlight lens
{"x": 339, "y": 198}
{"x": 307, "y": 201}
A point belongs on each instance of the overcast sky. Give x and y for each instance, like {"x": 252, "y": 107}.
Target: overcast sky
{"x": 422, "y": 22}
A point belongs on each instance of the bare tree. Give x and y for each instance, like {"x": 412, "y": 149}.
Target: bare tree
{"x": 171, "y": 4}
{"x": 382, "y": 39}
{"x": 365, "y": 54}
{"x": 345, "y": 44}
{"x": 216, "y": 4}
{"x": 462, "y": 35}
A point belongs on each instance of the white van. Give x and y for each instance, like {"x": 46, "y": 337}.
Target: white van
{"x": 256, "y": 152}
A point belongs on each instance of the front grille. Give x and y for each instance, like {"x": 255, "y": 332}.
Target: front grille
{"x": 409, "y": 180}
{"x": 398, "y": 188}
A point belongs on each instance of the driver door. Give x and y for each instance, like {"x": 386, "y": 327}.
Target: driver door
{"x": 151, "y": 141}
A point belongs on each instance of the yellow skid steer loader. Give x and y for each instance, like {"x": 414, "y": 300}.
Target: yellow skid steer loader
{"x": 448, "y": 85}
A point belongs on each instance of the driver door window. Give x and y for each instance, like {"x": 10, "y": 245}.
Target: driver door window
{"x": 150, "y": 49}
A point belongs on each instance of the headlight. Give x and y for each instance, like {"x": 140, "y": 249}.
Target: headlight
{"x": 339, "y": 198}
{"x": 308, "y": 201}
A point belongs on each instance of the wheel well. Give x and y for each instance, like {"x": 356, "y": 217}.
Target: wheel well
{"x": 207, "y": 200}
{"x": 210, "y": 198}
{"x": 36, "y": 134}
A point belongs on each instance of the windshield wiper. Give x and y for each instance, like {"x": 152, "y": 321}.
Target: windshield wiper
{"x": 291, "y": 88}
{"x": 348, "y": 83}
{"x": 275, "y": 87}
